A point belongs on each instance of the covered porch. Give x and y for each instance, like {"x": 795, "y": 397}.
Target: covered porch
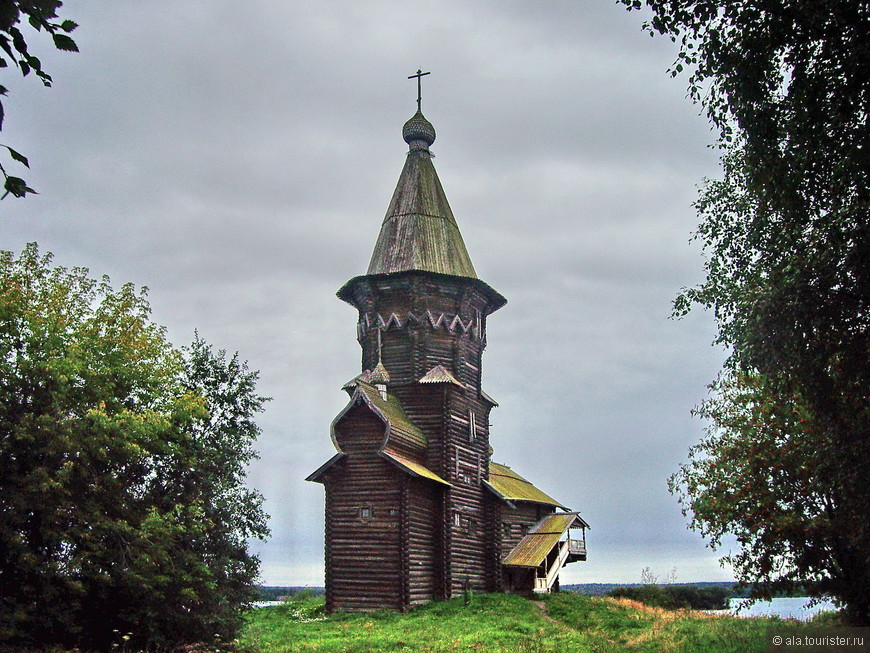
{"x": 533, "y": 566}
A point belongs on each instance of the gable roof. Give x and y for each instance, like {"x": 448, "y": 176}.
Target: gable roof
{"x": 399, "y": 430}
{"x": 510, "y": 486}
{"x": 439, "y": 374}
{"x": 400, "y": 427}
{"x": 535, "y": 546}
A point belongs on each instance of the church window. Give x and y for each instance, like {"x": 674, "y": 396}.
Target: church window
{"x": 457, "y": 519}
{"x": 365, "y": 513}
{"x": 472, "y": 425}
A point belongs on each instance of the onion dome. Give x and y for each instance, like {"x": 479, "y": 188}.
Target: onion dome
{"x": 418, "y": 132}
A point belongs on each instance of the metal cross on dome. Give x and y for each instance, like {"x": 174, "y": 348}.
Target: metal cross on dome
{"x": 419, "y": 74}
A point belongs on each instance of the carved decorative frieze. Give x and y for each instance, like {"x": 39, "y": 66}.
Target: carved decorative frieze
{"x": 473, "y": 327}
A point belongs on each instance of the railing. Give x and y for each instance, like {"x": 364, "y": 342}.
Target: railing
{"x": 577, "y": 547}
{"x": 566, "y": 548}
{"x": 543, "y": 585}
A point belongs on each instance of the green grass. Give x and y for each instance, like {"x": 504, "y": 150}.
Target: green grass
{"x": 496, "y": 623}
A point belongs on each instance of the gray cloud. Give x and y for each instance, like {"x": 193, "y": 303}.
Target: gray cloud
{"x": 238, "y": 161}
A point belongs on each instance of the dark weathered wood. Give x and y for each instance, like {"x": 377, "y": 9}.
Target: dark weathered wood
{"x": 396, "y": 534}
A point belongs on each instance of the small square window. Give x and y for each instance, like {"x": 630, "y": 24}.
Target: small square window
{"x": 365, "y": 512}
{"x": 457, "y": 520}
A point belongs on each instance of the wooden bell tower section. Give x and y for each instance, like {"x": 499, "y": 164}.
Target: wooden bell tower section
{"x": 415, "y": 508}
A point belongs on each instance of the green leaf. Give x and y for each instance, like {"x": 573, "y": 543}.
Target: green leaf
{"x": 65, "y": 43}
{"x": 17, "y": 156}
{"x": 68, "y": 25}
{"x": 18, "y": 40}
{"x": 16, "y": 186}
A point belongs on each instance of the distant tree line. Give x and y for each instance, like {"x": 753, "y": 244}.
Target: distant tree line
{"x": 676, "y": 597}
{"x": 274, "y": 593}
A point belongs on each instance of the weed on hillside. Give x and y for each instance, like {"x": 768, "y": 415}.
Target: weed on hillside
{"x": 499, "y": 623}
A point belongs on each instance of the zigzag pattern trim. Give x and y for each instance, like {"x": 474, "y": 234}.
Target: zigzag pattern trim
{"x": 436, "y": 320}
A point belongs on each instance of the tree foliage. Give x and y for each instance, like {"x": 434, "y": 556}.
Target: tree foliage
{"x": 676, "y": 597}
{"x": 771, "y": 475}
{"x": 123, "y": 510}
{"x": 787, "y": 233}
{"x": 42, "y": 16}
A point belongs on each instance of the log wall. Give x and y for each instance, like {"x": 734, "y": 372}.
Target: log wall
{"x": 363, "y": 553}
{"x": 423, "y": 322}
{"x": 359, "y": 430}
{"x": 422, "y": 556}
{"x": 515, "y": 523}
{"x": 443, "y": 539}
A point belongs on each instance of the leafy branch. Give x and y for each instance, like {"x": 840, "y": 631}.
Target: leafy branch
{"x": 15, "y": 185}
{"x": 42, "y": 16}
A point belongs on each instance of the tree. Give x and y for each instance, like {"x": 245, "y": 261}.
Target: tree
{"x": 787, "y": 234}
{"x": 768, "y": 473}
{"x": 123, "y": 511}
{"x": 41, "y": 15}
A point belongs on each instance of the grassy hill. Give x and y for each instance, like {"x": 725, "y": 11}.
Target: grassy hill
{"x": 503, "y": 623}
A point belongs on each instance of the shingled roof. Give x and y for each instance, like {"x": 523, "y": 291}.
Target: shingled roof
{"x": 419, "y": 231}
{"x": 535, "y": 546}
{"x": 400, "y": 426}
{"x": 399, "y": 430}
{"x": 510, "y": 486}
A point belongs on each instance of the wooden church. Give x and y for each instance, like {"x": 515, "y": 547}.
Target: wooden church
{"x": 415, "y": 508}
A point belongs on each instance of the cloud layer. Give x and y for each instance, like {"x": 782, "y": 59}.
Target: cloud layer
{"x": 238, "y": 160}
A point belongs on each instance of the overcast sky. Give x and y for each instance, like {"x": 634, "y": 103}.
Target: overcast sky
{"x": 238, "y": 158}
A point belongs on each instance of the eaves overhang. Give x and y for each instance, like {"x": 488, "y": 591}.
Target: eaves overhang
{"x": 318, "y": 473}
{"x": 349, "y": 290}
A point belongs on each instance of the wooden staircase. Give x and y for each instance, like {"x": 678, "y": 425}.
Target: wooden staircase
{"x": 543, "y": 585}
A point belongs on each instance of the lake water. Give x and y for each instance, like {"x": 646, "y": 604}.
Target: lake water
{"x": 786, "y": 608}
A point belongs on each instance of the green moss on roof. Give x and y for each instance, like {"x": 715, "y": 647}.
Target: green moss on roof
{"x": 401, "y": 427}
{"x": 513, "y": 487}
{"x": 413, "y": 467}
{"x": 535, "y": 546}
